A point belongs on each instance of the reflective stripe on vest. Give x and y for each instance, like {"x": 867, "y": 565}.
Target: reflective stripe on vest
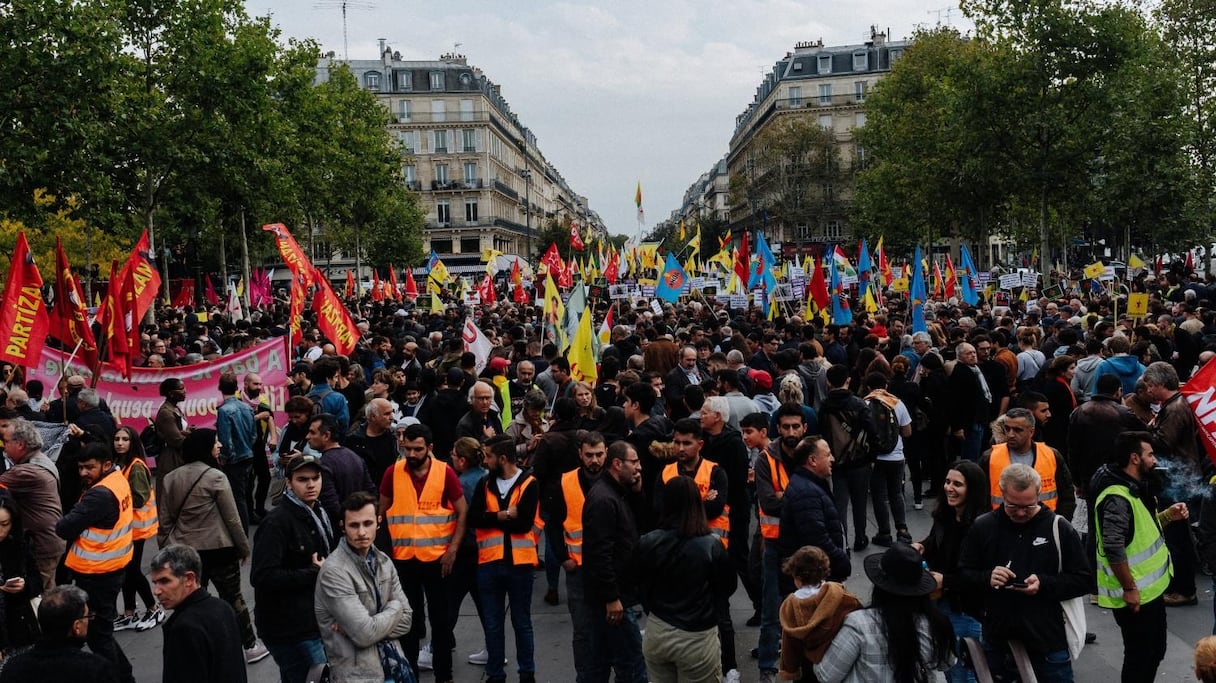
{"x": 491, "y": 542}
{"x": 770, "y": 525}
{"x": 420, "y": 525}
{"x": 719, "y": 526}
{"x": 101, "y": 551}
{"x": 1044, "y": 464}
{"x": 1147, "y": 557}
{"x": 144, "y": 523}
{"x": 572, "y": 526}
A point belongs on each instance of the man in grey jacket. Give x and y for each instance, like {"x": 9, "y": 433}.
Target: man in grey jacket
{"x": 33, "y": 481}
{"x": 360, "y": 605}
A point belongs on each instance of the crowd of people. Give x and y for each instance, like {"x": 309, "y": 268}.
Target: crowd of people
{"x": 714, "y": 450}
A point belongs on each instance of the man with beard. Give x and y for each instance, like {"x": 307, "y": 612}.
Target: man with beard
{"x": 426, "y": 513}
{"x": 525, "y": 372}
{"x": 564, "y": 530}
{"x": 288, "y": 549}
{"x": 610, "y": 536}
{"x": 263, "y": 417}
{"x": 774, "y": 463}
{"x": 344, "y": 472}
{"x": 1134, "y": 566}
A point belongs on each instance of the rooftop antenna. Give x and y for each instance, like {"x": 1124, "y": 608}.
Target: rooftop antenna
{"x": 948, "y": 11}
{"x": 344, "y": 5}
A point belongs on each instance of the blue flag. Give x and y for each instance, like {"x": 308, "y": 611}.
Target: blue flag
{"x": 671, "y": 280}
{"x": 842, "y": 314}
{"x": 762, "y": 266}
{"x": 917, "y": 294}
{"x": 969, "y": 282}
{"x": 864, "y": 264}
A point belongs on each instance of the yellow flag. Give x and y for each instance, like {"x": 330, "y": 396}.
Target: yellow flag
{"x": 1135, "y": 262}
{"x": 439, "y": 273}
{"x": 554, "y": 311}
{"x": 582, "y": 351}
{"x": 695, "y": 243}
{"x": 682, "y": 230}
{"x": 436, "y": 302}
{"x": 870, "y": 303}
{"x": 723, "y": 258}
{"x": 240, "y": 287}
{"x": 490, "y": 254}
{"x": 1137, "y": 304}
{"x": 1095, "y": 269}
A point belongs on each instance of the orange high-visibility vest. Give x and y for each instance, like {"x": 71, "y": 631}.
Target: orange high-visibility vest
{"x": 572, "y": 491}
{"x": 1044, "y": 464}
{"x": 421, "y": 526}
{"x": 490, "y": 542}
{"x": 101, "y": 551}
{"x": 719, "y": 526}
{"x": 769, "y": 525}
{"x": 145, "y": 523}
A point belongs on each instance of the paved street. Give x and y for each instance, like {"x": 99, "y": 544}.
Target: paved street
{"x": 1100, "y": 663}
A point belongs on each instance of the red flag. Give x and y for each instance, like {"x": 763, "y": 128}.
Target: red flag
{"x": 350, "y": 284}
{"x": 743, "y": 260}
{"x": 291, "y": 252}
{"x": 129, "y": 320}
{"x": 209, "y": 291}
{"x": 295, "y": 333}
{"x": 115, "y": 329}
{"x": 553, "y": 261}
{"x": 395, "y": 291}
{"x": 819, "y": 287}
{"x": 411, "y": 287}
{"x": 486, "y": 290}
{"x": 884, "y": 267}
{"x": 377, "y": 292}
{"x": 937, "y": 280}
{"x": 70, "y": 324}
{"x": 576, "y": 240}
{"x": 144, "y": 278}
{"x": 1190, "y": 261}
{"x": 185, "y": 295}
{"x": 23, "y": 322}
{"x": 1200, "y": 394}
{"x": 951, "y": 278}
{"x": 566, "y": 276}
{"x": 333, "y": 318}
{"x": 613, "y": 270}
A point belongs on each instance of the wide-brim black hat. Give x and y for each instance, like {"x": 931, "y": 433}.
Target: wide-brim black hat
{"x": 900, "y": 571}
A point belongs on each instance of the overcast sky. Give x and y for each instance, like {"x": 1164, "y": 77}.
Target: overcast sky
{"x": 616, "y": 91}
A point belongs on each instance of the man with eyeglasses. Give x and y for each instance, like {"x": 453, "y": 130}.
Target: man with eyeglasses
{"x": 64, "y": 618}
{"x": 1056, "y": 490}
{"x": 1025, "y": 559}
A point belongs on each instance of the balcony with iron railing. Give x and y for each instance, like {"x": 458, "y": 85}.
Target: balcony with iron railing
{"x": 456, "y": 185}
{"x": 427, "y": 117}
{"x": 482, "y": 223}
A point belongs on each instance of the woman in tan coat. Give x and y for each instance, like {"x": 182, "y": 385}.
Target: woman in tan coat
{"x": 198, "y": 510}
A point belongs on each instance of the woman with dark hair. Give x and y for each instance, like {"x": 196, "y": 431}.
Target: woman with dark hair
{"x": 20, "y": 584}
{"x": 1061, "y": 401}
{"x": 964, "y": 497}
{"x": 857, "y": 375}
{"x": 199, "y": 510}
{"x": 129, "y": 455}
{"x": 680, "y": 568}
{"x": 901, "y": 637}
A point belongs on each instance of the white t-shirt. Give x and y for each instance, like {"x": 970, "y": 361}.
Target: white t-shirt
{"x": 904, "y": 419}
{"x": 505, "y": 485}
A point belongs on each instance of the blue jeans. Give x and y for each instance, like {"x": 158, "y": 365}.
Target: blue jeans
{"x": 553, "y": 568}
{"x": 973, "y": 442}
{"x": 615, "y": 647}
{"x": 965, "y": 626}
{"x": 1049, "y": 667}
{"x": 295, "y": 658}
{"x": 770, "y": 606}
{"x": 498, "y": 582}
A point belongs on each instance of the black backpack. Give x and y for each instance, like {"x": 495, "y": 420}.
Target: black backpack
{"x": 849, "y": 442}
{"x": 886, "y": 427}
{"x": 151, "y": 440}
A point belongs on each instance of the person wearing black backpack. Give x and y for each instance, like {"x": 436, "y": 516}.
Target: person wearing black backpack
{"x": 892, "y": 424}
{"x": 848, "y": 427}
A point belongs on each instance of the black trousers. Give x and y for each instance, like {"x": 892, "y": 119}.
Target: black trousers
{"x": 103, "y": 592}
{"x": 1143, "y": 640}
{"x": 419, "y": 579}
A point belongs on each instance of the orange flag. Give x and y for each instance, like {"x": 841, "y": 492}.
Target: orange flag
{"x": 350, "y": 284}
{"x": 70, "y": 324}
{"x": 411, "y": 287}
{"x": 377, "y": 291}
{"x": 333, "y": 318}
{"x": 23, "y": 322}
{"x": 394, "y": 290}
{"x": 115, "y": 329}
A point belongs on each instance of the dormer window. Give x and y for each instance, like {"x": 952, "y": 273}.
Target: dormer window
{"x": 371, "y": 80}
{"x": 861, "y": 60}
{"x": 825, "y": 64}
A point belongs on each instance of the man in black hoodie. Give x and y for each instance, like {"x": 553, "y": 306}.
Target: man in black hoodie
{"x": 847, "y": 425}
{"x": 724, "y": 446}
{"x": 640, "y": 398}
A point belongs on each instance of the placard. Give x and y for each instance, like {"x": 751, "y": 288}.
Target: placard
{"x": 1030, "y": 279}
{"x": 656, "y": 307}
{"x": 1011, "y": 280}
{"x": 738, "y": 300}
{"x": 783, "y": 292}
{"x": 848, "y": 280}
{"x": 983, "y": 278}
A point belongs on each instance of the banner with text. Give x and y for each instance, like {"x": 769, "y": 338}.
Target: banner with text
{"x": 134, "y": 402}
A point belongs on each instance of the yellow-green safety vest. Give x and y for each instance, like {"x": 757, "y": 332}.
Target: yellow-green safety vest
{"x": 1147, "y": 557}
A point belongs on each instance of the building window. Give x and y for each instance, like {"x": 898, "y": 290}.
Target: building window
{"x": 405, "y": 81}
{"x": 436, "y": 80}
{"x": 796, "y": 96}
{"x": 443, "y": 212}
{"x": 859, "y": 119}
{"x": 411, "y": 173}
{"x": 470, "y": 210}
{"x": 441, "y": 173}
{"x": 859, "y": 157}
{"x": 438, "y": 110}
{"x": 859, "y": 89}
{"x": 466, "y": 110}
{"x": 825, "y": 94}
{"x": 403, "y": 111}
{"x": 468, "y": 139}
{"x": 825, "y": 64}
{"x": 861, "y": 60}
{"x": 408, "y": 140}
{"x": 894, "y": 56}
{"x": 470, "y": 245}
{"x": 470, "y": 171}
{"x": 829, "y": 192}
{"x": 441, "y": 141}
{"x": 371, "y": 80}
{"x": 443, "y": 246}
{"x": 825, "y": 121}
{"x": 832, "y": 230}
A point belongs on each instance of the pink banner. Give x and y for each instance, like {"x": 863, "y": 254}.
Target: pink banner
{"x": 134, "y": 402}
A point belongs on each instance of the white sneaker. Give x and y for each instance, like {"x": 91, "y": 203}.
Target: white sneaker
{"x": 152, "y": 618}
{"x": 425, "y": 658}
{"x": 480, "y": 657}
{"x": 126, "y": 622}
{"x": 256, "y": 653}
{"x": 731, "y": 676}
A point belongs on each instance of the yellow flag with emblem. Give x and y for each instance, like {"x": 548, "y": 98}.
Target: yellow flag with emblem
{"x": 1137, "y": 304}
{"x": 582, "y": 351}
{"x": 1095, "y": 269}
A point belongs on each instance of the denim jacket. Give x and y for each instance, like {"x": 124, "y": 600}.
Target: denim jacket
{"x": 235, "y": 429}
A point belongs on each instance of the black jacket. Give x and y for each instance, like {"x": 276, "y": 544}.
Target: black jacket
{"x": 610, "y": 535}
{"x": 1091, "y": 435}
{"x": 378, "y": 452}
{"x": 203, "y": 642}
{"x": 809, "y": 517}
{"x": 18, "y": 623}
{"x": 283, "y": 575}
{"x": 652, "y": 430}
{"x": 965, "y": 397}
{"x": 847, "y": 406}
{"x": 1036, "y": 620}
{"x": 728, "y": 452}
{"x": 680, "y": 579}
{"x": 59, "y": 661}
{"x": 942, "y": 548}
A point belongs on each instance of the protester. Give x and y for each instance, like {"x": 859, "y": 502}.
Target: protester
{"x": 129, "y": 457}
{"x": 812, "y": 615}
{"x": 203, "y": 643}
{"x": 33, "y": 482}
{"x": 64, "y": 618}
{"x": 22, "y": 583}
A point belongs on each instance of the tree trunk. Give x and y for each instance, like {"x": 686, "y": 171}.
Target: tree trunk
{"x": 223, "y": 265}
{"x": 245, "y": 263}
{"x": 1044, "y": 242}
